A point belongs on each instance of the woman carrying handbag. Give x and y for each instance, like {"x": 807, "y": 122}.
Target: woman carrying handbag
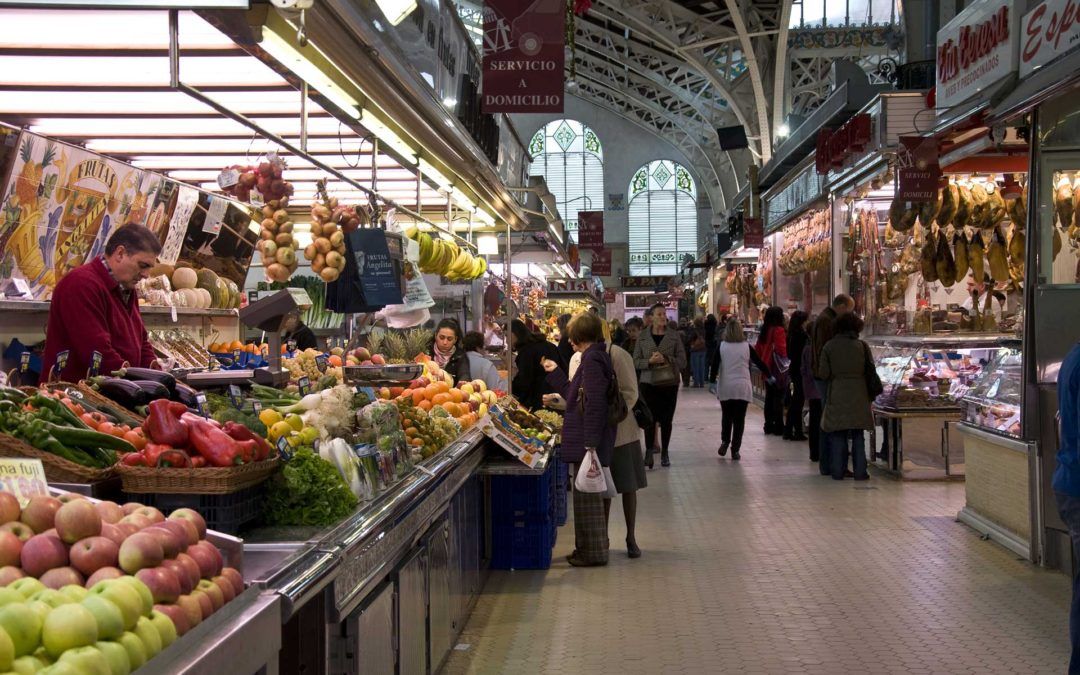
{"x": 733, "y": 388}
{"x": 660, "y": 356}
{"x": 772, "y": 348}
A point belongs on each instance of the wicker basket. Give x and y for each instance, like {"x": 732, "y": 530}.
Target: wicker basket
{"x": 91, "y": 396}
{"x": 57, "y": 469}
{"x": 204, "y": 480}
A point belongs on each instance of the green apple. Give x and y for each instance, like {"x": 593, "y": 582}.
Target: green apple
{"x": 9, "y": 595}
{"x": 149, "y": 636}
{"x": 124, "y": 597}
{"x": 144, "y": 593}
{"x": 87, "y": 660}
{"x": 51, "y": 598}
{"x": 117, "y": 656}
{"x": 40, "y": 608}
{"x": 75, "y": 593}
{"x": 7, "y": 650}
{"x": 27, "y": 665}
{"x": 27, "y": 586}
{"x": 23, "y": 626}
{"x": 110, "y": 621}
{"x": 165, "y": 628}
{"x": 58, "y": 668}
{"x": 68, "y": 627}
{"x": 135, "y": 649}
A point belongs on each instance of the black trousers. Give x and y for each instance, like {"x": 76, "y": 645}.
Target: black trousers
{"x": 774, "y": 409}
{"x": 714, "y": 362}
{"x": 815, "y": 429}
{"x": 794, "y": 411}
{"x": 661, "y": 401}
{"x": 732, "y": 423}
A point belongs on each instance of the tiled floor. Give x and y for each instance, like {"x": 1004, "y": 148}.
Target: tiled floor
{"x": 763, "y": 566}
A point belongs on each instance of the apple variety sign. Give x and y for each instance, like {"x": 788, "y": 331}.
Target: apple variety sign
{"x": 1048, "y": 31}
{"x": 975, "y": 50}
{"x": 24, "y": 478}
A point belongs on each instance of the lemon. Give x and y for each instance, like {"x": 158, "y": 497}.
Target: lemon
{"x": 308, "y": 435}
{"x": 269, "y": 417}
{"x": 280, "y": 429}
{"x": 295, "y": 421}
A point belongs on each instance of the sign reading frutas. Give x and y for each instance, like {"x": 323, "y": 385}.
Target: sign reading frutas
{"x": 601, "y": 263}
{"x": 590, "y": 230}
{"x": 975, "y": 50}
{"x": 523, "y": 56}
{"x": 1048, "y": 31}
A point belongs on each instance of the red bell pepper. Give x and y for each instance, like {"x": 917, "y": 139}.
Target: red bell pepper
{"x": 198, "y": 461}
{"x": 174, "y": 458}
{"x": 133, "y": 459}
{"x": 242, "y": 433}
{"x": 153, "y": 452}
{"x": 163, "y": 424}
{"x": 218, "y": 447}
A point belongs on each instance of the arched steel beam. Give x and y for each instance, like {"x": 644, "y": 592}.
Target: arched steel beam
{"x": 761, "y": 103}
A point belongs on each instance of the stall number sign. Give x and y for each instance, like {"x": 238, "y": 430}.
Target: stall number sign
{"x": 975, "y": 50}
{"x": 1047, "y": 32}
{"x": 24, "y": 478}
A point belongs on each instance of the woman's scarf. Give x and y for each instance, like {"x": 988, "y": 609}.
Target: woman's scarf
{"x": 441, "y": 357}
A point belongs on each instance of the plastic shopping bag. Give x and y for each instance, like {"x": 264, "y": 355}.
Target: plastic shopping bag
{"x": 590, "y": 475}
{"x": 610, "y": 492}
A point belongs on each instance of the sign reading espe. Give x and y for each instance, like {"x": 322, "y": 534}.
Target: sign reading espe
{"x": 523, "y": 56}
{"x": 1048, "y": 31}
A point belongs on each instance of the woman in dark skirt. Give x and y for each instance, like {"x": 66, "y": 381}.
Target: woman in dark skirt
{"x": 628, "y": 460}
{"x": 585, "y": 428}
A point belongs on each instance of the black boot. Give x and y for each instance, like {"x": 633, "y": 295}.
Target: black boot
{"x": 722, "y": 450}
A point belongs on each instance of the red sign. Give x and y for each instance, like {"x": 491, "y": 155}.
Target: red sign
{"x": 974, "y": 43}
{"x": 835, "y": 148}
{"x": 753, "y": 233}
{"x": 601, "y": 263}
{"x": 590, "y": 235}
{"x": 646, "y": 282}
{"x": 523, "y": 56}
{"x": 609, "y": 296}
{"x": 918, "y": 174}
{"x": 564, "y": 286}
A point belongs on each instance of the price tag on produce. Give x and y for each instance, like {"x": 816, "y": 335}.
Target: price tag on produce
{"x": 304, "y": 384}
{"x": 62, "y": 359}
{"x": 322, "y": 363}
{"x": 236, "y": 356}
{"x": 236, "y": 396}
{"x": 290, "y": 345}
{"x": 283, "y": 449}
{"x": 74, "y": 394}
{"x": 315, "y": 446}
{"x": 24, "y": 362}
{"x": 256, "y": 406}
{"x": 24, "y": 478}
{"x": 200, "y": 400}
{"x": 215, "y": 215}
{"x": 228, "y": 178}
{"x": 95, "y": 363}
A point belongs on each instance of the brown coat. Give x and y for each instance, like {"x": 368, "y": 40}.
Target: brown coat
{"x": 842, "y": 366}
{"x": 821, "y": 332}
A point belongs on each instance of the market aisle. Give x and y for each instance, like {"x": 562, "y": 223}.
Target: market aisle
{"x": 764, "y": 566}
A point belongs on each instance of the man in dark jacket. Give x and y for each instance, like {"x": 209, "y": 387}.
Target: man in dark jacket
{"x": 821, "y": 332}
{"x": 566, "y": 350}
{"x": 1066, "y": 481}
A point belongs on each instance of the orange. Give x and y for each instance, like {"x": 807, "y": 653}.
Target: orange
{"x": 411, "y": 431}
{"x": 424, "y": 404}
{"x": 443, "y": 387}
{"x": 236, "y": 344}
{"x": 417, "y": 396}
{"x": 440, "y": 399}
{"x": 395, "y": 391}
{"x": 451, "y": 408}
{"x": 430, "y": 391}
{"x": 456, "y": 396}
{"x": 334, "y": 360}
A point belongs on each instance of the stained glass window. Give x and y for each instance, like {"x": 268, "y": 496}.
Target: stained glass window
{"x": 663, "y": 218}
{"x": 569, "y": 157}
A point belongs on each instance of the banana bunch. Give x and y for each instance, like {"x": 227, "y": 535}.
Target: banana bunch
{"x": 446, "y": 257}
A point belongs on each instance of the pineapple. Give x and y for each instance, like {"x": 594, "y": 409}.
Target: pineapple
{"x": 416, "y": 342}
{"x": 395, "y": 346}
{"x": 375, "y": 342}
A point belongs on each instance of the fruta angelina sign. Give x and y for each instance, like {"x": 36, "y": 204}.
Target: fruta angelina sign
{"x": 523, "y": 56}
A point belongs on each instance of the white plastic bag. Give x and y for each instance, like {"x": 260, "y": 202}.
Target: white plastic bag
{"x": 590, "y": 475}
{"x": 610, "y": 492}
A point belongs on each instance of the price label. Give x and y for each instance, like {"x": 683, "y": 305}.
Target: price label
{"x": 366, "y": 391}
{"x": 228, "y": 178}
{"x": 322, "y": 363}
{"x": 304, "y": 384}
{"x": 24, "y": 362}
{"x": 256, "y": 406}
{"x": 74, "y": 393}
{"x": 24, "y": 478}
{"x": 236, "y": 357}
{"x": 200, "y": 400}
{"x": 62, "y": 359}
{"x": 315, "y": 445}
{"x": 95, "y": 363}
{"x": 211, "y": 361}
{"x": 290, "y": 345}
{"x": 236, "y": 396}
{"x": 283, "y": 449}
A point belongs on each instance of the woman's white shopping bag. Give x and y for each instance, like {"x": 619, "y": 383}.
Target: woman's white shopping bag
{"x": 590, "y": 475}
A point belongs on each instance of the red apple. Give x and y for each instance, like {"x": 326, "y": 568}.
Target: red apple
{"x": 206, "y": 604}
{"x": 152, "y": 514}
{"x": 20, "y": 530}
{"x": 91, "y": 554}
{"x": 161, "y": 581}
{"x": 41, "y": 554}
{"x": 226, "y": 587}
{"x": 177, "y": 615}
{"x": 9, "y": 507}
{"x": 51, "y": 532}
{"x": 180, "y": 570}
{"x": 185, "y": 531}
{"x": 113, "y": 533}
{"x": 110, "y": 512}
{"x": 208, "y": 557}
{"x": 70, "y": 497}
{"x": 40, "y": 513}
{"x": 194, "y": 516}
{"x": 10, "y": 548}
{"x": 190, "y": 567}
{"x": 169, "y": 540}
{"x": 236, "y": 578}
{"x": 126, "y": 529}
{"x": 9, "y": 574}
{"x": 103, "y": 574}
{"x": 139, "y": 520}
{"x": 139, "y": 551}
{"x": 59, "y": 577}
{"x": 77, "y": 520}
{"x": 131, "y": 507}
{"x": 192, "y": 608}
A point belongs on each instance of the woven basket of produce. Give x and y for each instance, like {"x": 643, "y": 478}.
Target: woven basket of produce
{"x": 57, "y": 469}
{"x": 202, "y": 480}
{"x": 87, "y": 395}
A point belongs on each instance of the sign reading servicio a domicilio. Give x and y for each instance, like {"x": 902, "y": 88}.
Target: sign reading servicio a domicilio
{"x": 523, "y": 56}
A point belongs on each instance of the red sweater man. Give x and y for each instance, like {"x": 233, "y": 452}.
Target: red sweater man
{"x": 95, "y": 309}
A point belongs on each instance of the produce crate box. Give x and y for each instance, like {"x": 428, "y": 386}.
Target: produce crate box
{"x": 522, "y": 544}
{"x": 561, "y": 483}
{"x": 108, "y": 489}
{"x": 225, "y": 513}
{"x": 515, "y": 497}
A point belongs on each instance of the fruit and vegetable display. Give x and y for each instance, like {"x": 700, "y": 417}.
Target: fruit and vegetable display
{"x": 438, "y": 256}
{"x": 393, "y": 346}
{"x": 266, "y": 178}
{"x": 183, "y": 286}
{"x": 807, "y": 244}
{"x": 99, "y": 587}
{"x": 309, "y": 364}
{"x": 135, "y": 388}
{"x": 184, "y": 350}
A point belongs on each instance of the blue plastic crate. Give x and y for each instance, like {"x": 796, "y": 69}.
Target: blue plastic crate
{"x": 517, "y": 497}
{"x": 522, "y": 544}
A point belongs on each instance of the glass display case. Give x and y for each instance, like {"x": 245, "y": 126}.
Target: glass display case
{"x": 993, "y": 402}
{"x": 928, "y": 377}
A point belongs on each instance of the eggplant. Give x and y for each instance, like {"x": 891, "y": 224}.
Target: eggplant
{"x": 125, "y": 392}
{"x": 154, "y": 390}
{"x": 146, "y": 374}
{"x": 186, "y": 395}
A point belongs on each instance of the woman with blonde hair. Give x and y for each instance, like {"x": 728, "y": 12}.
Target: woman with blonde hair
{"x": 733, "y": 388}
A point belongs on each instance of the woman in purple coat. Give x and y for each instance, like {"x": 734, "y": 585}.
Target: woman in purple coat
{"x": 586, "y": 427}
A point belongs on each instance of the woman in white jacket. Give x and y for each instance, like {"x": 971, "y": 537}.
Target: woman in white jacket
{"x": 734, "y": 389}
{"x": 628, "y": 462}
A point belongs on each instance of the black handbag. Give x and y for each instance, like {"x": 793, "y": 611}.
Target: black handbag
{"x": 642, "y": 415}
{"x": 874, "y": 387}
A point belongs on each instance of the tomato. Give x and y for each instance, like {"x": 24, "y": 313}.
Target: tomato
{"x": 89, "y": 420}
{"x": 137, "y": 438}
{"x": 133, "y": 459}
{"x": 106, "y": 428}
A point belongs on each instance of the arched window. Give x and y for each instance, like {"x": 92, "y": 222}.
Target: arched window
{"x": 663, "y": 218}
{"x": 568, "y": 155}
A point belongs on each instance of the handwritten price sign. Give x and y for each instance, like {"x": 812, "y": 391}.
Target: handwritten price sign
{"x": 24, "y": 478}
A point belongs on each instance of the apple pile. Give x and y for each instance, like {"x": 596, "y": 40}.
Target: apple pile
{"x": 362, "y": 357}
{"x": 267, "y": 178}
{"x": 66, "y": 542}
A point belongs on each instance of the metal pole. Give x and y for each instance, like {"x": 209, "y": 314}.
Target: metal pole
{"x": 509, "y": 309}
{"x": 303, "y": 115}
{"x": 375, "y": 163}
{"x": 174, "y": 48}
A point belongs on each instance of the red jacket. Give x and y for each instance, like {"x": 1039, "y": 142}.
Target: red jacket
{"x": 89, "y": 314}
{"x": 775, "y": 342}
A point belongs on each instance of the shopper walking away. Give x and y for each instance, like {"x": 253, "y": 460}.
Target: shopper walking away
{"x": 823, "y": 331}
{"x": 1066, "y": 481}
{"x": 797, "y": 338}
{"x": 685, "y": 330}
{"x": 711, "y": 328}
{"x": 585, "y": 428}
{"x": 813, "y": 397}
{"x": 847, "y": 414}
{"x": 530, "y": 383}
{"x": 480, "y": 366}
{"x": 734, "y": 389}
{"x": 565, "y": 350}
{"x": 772, "y": 348}
{"x": 660, "y": 356}
{"x": 699, "y": 354}
{"x": 448, "y": 352}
